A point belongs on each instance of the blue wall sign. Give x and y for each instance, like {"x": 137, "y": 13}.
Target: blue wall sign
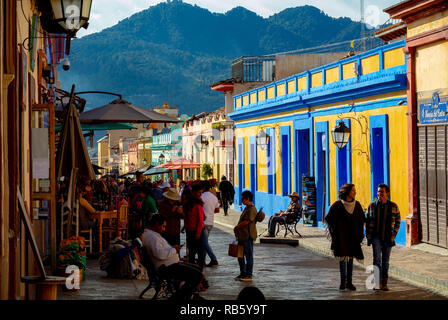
{"x": 435, "y": 111}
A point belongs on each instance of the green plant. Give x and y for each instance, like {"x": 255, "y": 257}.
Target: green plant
{"x": 207, "y": 170}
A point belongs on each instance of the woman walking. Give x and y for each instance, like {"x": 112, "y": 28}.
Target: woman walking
{"x": 193, "y": 207}
{"x": 346, "y": 225}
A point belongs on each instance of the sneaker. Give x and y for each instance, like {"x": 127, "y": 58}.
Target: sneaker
{"x": 270, "y": 235}
{"x": 246, "y": 279}
{"x": 342, "y": 286}
{"x": 237, "y": 278}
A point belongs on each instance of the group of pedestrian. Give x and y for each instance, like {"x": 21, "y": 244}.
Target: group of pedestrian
{"x": 346, "y": 223}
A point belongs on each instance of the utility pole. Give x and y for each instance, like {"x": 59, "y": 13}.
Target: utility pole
{"x": 363, "y": 27}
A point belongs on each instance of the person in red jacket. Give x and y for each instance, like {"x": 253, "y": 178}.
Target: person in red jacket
{"x": 194, "y": 224}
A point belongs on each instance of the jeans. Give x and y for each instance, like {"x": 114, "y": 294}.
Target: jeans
{"x": 273, "y": 223}
{"x": 381, "y": 255}
{"x": 196, "y": 247}
{"x": 346, "y": 269}
{"x": 207, "y": 248}
{"x": 247, "y": 261}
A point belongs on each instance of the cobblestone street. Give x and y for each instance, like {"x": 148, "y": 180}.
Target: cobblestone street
{"x": 281, "y": 272}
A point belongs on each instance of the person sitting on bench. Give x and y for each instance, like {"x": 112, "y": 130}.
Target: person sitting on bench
{"x": 291, "y": 213}
{"x": 165, "y": 258}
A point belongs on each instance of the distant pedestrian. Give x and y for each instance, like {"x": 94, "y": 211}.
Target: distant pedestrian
{"x": 227, "y": 193}
{"x": 211, "y": 206}
{"x": 346, "y": 225}
{"x": 171, "y": 209}
{"x": 149, "y": 206}
{"x": 383, "y": 223}
{"x": 193, "y": 208}
{"x": 246, "y": 234}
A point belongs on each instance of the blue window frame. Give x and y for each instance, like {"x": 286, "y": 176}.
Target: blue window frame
{"x": 379, "y": 152}
{"x": 344, "y": 161}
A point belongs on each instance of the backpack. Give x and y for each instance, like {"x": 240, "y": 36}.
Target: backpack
{"x": 260, "y": 215}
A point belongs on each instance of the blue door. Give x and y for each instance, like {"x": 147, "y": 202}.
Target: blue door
{"x": 303, "y": 158}
{"x": 240, "y": 171}
{"x": 253, "y": 168}
{"x": 322, "y": 171}
{"x": 379, "y": 155}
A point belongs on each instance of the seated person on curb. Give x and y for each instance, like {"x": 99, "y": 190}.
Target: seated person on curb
{"x": 291, "y": 213}
{"x": 165, "y": 258}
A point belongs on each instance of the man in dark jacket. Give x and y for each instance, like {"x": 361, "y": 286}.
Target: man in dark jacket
{"x": 227, "y": 193}
{"x": 382, "y": 225}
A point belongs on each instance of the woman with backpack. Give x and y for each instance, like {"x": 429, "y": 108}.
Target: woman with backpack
{"x": 246, "y": 234}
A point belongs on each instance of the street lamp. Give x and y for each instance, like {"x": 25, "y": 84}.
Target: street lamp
{"x": 341, "y": 135}
{"x": 71, "y": 14}
{"x": 262, "y": 139}
{"x": 161, "y": 158}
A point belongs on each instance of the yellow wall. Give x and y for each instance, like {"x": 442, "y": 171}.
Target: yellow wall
{"x": 291, "y": 86}
{"x": 393, "y": 58}
{"x": 262, "y": 156}
{"x": 245, "y": 100}
{"x": 238, "y": 102}
{"x": 332, "y": 75}
{"x": 261, "y": 95}
{"x": 301, "y": 83}
{"x": 398, "y": 165}
{"x": 431, "y": 69}
{"x": 427, "y": 24}
{"x": 348, "y": 71}
{"x": 253, "y": 97}
{"x": 316, "y": 79}
{"x": 271, "y": 92}
{"x": 281, "y": 89}
{"x": 370, "y": 64}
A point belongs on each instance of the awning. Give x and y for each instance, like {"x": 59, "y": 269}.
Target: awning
{"x": 102, "y": 126}
{"x": 155, "y": 170}
{"x": 123, "y": 111}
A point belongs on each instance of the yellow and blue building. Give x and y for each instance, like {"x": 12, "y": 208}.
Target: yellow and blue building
{"x": 368, "y": 92}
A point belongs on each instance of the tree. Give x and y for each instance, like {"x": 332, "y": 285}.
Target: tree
{"x": 207, "y": 170}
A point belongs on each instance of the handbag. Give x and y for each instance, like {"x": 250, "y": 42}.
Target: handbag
{"x": 236, "y": 250}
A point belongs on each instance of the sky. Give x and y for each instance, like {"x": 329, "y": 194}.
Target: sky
{"x": 106, "y": 13}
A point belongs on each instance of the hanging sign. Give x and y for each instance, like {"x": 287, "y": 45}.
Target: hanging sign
{"x": 434, "y": 111}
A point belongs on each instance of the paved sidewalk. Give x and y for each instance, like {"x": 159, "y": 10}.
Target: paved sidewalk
{"x": 417, "y": 267}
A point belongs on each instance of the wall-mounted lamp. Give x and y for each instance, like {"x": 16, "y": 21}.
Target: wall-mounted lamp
{"x": 262, "y": 139}
{"x": 71, "y": 14}
{"x": 161, "y": 159}
{"x": 341, "y": 135}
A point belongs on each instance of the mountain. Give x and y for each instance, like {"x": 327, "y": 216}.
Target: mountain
{"x": 173, "y": 51}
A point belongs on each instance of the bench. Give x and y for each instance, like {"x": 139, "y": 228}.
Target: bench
{"x": 289, "y": 227}
{"x": 46, "y": 286}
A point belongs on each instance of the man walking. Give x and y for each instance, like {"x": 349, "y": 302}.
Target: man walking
{"x": 211, "y": 206}
{"x": 382, "y": 225}
{"x": 246, "y": 234}
{"x": 227, "y": 193}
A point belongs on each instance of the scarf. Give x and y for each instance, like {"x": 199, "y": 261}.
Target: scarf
{"x": 349, "y": 206}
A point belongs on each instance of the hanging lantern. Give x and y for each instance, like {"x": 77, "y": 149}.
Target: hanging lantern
{"x": 341, "y": 135}
{"x": 262, "y": 139}
{"x": 72, "y": 14}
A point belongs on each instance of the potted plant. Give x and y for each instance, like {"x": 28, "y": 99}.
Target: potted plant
{"x": 72, "y": 251}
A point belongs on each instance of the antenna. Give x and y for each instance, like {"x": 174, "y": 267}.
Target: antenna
{"x": 363, "y": 27}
